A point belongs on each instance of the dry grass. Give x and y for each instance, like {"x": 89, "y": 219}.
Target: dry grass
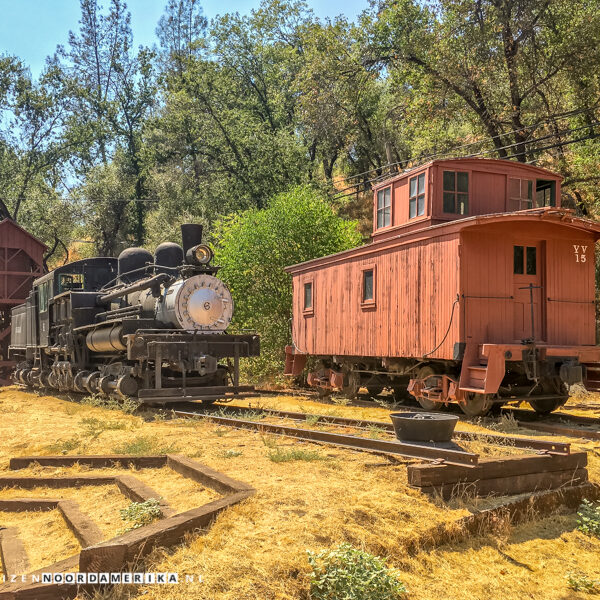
{"x": 257, "y": 550}
{"x": 46, "y": 537}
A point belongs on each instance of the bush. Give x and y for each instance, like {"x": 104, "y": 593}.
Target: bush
{"x": 138, "y": 514}
{"x": 582, "y": 583}
{"x": 350, "y": 574}
{"x": 589, "y": 518}
{"x": 254, "y": 246}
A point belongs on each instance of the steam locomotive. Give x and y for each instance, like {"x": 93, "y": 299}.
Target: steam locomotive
{"x": 140, "y": 325}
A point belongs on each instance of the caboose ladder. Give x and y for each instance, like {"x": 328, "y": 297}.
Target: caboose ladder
{"x": 482, "y": 374}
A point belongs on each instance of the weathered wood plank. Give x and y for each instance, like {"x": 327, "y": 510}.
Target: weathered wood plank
{"x": 138, "y": 491}
{"x": 104, "y": 461}
{"x": 54, "y": 482}
{"x": 205, "y": 475}
{"x": 113, "y": 554}
{"x": 509, "y": 486}
{"x": 12, "y": 551}
{"x": 26, "y": 504}
{"x": 85, "y": 530}
{"x": 423, "y": 475}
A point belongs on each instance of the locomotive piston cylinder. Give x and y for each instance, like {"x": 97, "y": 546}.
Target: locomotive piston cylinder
{"x": 106, "y": 339}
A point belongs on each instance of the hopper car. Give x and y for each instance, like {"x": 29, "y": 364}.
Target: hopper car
{"x": 143, "y": 325}
{"x": 477, "y": 288}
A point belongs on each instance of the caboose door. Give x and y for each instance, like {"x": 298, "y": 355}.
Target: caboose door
{"x": 528, "y": 292}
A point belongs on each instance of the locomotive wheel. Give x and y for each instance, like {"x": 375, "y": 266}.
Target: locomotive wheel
{"x": 476, "y": 405}
{"x": 426, "y": 403}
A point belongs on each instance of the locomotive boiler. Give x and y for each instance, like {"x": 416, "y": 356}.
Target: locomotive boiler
{"x": 151, "y": 326}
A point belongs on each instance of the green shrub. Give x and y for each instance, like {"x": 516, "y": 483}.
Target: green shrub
{"x": 582, "y": 583}
{"x": 254, "y": 246}
{"x": 138, "y": 514}
{"x": 278, "y": 455}
{"x": 144, "y": 445}
{"x": 589, "y": 518}
{"x": 347, "y": 573}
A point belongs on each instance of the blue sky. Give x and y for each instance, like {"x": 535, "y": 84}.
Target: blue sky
{"x": 31, "y": 29}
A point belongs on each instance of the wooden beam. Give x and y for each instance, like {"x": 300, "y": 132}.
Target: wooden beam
{"x": 14, "y": 557}
{"x": 422, "y": 475}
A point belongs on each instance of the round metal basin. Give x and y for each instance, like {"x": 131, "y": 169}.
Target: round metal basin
{"x": 424, "y": 427}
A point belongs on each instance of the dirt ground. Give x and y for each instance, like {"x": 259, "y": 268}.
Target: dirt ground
{"x": 320, "y": 498}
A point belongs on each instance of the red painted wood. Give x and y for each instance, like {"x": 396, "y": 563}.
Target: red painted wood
{"x": 421, "y": 270}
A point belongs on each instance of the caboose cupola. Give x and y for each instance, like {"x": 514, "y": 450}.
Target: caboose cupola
{"x": 446, "y": 190}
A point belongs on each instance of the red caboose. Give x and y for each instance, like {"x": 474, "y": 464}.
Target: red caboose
{"x": 21, "y": 261}
{"x": 477, "y": 288}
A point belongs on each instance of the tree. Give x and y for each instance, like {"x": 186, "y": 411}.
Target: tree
{"x": 505, "y": 59}
{"x": 254, "y": 246}
{"x": 180, "y": 32}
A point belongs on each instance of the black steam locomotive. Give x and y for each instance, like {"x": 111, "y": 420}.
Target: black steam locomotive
{"x": 152, "y": 327}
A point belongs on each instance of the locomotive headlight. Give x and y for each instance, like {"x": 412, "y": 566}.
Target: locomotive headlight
{"x": 199, "y": 255}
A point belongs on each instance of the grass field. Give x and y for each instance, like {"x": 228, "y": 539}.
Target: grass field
{"x": 309, "y": 498}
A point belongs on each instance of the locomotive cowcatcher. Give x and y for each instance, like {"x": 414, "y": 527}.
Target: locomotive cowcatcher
{"x": 478, "y": 288}
{"x": 143, "y": 325}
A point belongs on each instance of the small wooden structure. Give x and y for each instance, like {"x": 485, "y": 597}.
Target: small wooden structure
{"x": 21, "y": 261}
{"x": 472, "y": 262}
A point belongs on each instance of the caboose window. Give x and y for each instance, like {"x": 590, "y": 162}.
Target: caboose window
{"x": 384, "y": 207}
{"x": 520, "y": 194}
{"x": 368, "y": 294}
{"x": 416, "y": 202}
{"x": 308, "y": 299}
{"x": 525, "y": 260}
{"x": 456, "y": 192}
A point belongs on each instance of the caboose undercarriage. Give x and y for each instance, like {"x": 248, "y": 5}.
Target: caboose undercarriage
{"x": 505, "y": 374}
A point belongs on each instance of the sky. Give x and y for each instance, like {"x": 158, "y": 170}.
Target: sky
{"x": 31, "y": 29}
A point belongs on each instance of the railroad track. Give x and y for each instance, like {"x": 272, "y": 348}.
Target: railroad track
{"x": 559, "y": 423}
{"x": 250, "y": 418}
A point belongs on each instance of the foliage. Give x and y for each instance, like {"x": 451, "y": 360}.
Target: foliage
{"x": 138, "y": 514}
{"x": 144, "y": 445}
{"x": 126, "y": 405}
{"x": 279, "y": 455}
{"x": 254, "y": 246}
{"x": 589, "y": 518}
{"x": 580, "y": 582}
{"x": 347, "y": 573}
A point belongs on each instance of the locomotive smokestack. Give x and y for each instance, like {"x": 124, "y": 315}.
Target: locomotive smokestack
{"x": 191, "y": 235}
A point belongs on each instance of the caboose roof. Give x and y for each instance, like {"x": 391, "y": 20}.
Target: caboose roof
{"x": 557, "y": 216}
{"x": 485, "y": 164}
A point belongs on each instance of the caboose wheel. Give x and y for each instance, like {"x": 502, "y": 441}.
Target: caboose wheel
{"x": 476, "y": 405}
{"x": 351, "y": 385}
{"x": 545, "y": 406}
{"x": 374, "y": 389}
{"x": 426, "y": 403}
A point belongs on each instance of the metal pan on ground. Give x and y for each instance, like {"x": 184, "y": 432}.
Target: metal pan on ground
{"x": 424, "y": 427}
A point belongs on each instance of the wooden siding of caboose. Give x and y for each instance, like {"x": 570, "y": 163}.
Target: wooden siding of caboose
{"x": 568, "y": 285}
{"x": 416, "y": 284}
